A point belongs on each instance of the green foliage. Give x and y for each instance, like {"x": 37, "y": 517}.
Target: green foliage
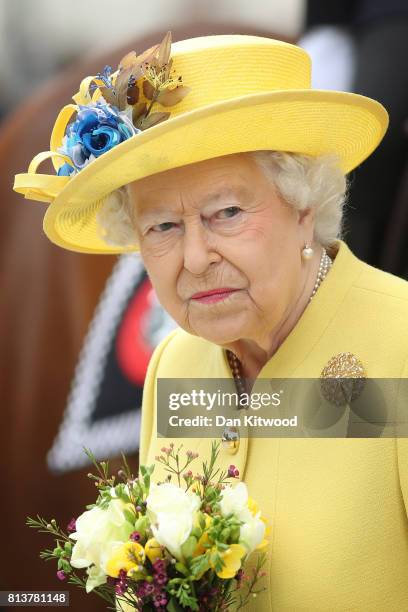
{"x": 68, "y": 548}
{"x": 197, "y": 532}
{"x": 180, "y": 567}
{"x": 187, "y": 600}
{"x": 201, "y": 519}
{"x": 142, "y": 525}
{"x": 130, "y": 515}
{"x": 200, "y": 564}
{"x": 215, "y": 561}
{"x": 183, "y": 593}
{"x": 188, "y": 547}
{"x": 146, "y": 472}
{"x": 174, "y": 606}
{"x": 225, "y": 530}
{"x": 121, "y": 492}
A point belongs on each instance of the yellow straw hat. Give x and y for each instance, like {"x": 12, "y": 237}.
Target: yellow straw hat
{"x": 231, "y": 93}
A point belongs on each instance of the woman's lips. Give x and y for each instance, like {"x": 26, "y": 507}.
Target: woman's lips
{"x": 215, "y": 295}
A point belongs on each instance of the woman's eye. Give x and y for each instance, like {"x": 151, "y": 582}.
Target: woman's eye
{"x": 229, "y": 212}
{"x": 162, "y": 227}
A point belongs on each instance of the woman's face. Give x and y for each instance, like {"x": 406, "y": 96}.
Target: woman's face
{"x": 220, "y": 225}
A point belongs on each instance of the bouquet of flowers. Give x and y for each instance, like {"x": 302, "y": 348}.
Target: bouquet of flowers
{"x": 170, "y": 546}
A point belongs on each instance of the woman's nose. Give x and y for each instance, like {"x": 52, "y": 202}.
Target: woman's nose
{"x": 199, "y": 248}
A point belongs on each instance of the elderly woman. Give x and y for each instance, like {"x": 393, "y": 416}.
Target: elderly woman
{"x": 236, "y": 202}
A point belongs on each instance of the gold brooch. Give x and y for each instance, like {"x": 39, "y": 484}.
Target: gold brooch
{"x": 342, "y": 380}
{"x": 230, "y": 440}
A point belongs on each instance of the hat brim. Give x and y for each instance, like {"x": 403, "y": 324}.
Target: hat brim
{"x": 311, "y": 122}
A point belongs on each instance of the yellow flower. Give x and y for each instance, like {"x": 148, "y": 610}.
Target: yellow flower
{"x": 252, "y": 506}
{"x": 200, "y": 548}
{"x": 254, "y": 509}
{"x": 264, "y": 542}
{"x": 232, "y": 560}
{"x": 128, "y": 556}
{"x": 197, "y": 488}
{"x": 153, "y": 550}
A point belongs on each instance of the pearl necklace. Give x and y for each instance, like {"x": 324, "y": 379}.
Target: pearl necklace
{"x": 234, "y": 362}
{"x": 324, "y": 267}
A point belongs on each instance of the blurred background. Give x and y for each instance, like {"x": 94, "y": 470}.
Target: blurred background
{"x": 77, "y": 331}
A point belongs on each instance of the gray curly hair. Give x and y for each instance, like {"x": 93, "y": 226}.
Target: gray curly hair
{"x": 303, "y": 181}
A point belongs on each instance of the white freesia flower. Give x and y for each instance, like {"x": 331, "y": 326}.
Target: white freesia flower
{"x": 171, "y": 512}
{"x": 173, "y": 530}
{"x": 97, "y": 530}
{"x": 234, "y": 500}
{"x": 96, "y": 577}
{"x": 252, "y": 532}
{"x": 169, "y": 498}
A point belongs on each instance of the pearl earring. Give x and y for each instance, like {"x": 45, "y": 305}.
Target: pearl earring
{"x": 307, "y": 252}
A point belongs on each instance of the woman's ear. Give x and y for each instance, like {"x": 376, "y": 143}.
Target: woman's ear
{"x": 306, "y": 225}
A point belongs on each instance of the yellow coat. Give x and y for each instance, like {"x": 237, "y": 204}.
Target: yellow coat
{"x": 337, "y": 507}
